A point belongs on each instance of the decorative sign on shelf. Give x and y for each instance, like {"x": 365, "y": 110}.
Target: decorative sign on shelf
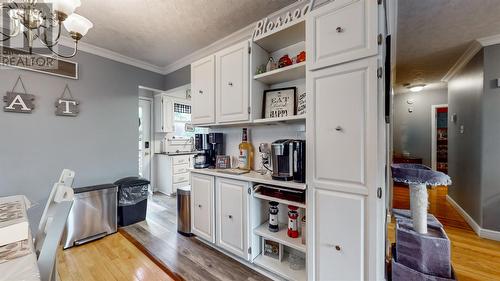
{"x": 279, "y": 102}
{"x": 19, "y": 102}
{"x": 291, "y": 17}
{"x": 301, "y": 104}
{"x": 67, "y": 106}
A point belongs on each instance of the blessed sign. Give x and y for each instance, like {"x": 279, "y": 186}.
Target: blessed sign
{"x": 17, "y": 102}
{"x": 291, "y": 17}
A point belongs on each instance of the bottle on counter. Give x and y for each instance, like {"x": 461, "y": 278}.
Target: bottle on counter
{"x": 245, "y": 157}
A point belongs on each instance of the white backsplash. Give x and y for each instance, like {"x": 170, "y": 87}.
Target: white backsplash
{"x": 258, "y": 135}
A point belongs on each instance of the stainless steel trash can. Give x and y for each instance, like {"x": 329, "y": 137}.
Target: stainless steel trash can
{"x": 92, "y": 216}
{"x": 184, "y": 210}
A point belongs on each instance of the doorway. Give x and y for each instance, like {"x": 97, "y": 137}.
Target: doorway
{"x": 439, "y": 127}
{"x": 145, "y": 131}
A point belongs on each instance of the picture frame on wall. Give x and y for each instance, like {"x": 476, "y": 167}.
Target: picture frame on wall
{"x": 279, "y": 103}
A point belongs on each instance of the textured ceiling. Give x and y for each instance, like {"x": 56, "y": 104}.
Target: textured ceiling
{"x": 162, "y": 31}
{"x": 433, "y": 34}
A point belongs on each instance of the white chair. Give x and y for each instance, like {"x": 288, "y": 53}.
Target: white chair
{"x": 48, "y": 251}
{"x": 61, "y": 191}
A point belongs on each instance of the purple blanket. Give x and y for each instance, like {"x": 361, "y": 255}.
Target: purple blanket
{"x": 418, "y": 174}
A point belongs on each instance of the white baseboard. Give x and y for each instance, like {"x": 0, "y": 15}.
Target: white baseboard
{"x": 481, "y": 232}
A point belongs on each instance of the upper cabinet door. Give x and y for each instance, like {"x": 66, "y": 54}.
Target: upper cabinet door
{"x": 232, "y": 83}
{"x": 202, "y": 206}
{"x": 342, "y": 127}
{"x": 339, "y": 236}
{"x": 231, "y": 201}
{"x": 203, "y": 91}
{"x": 342, "y": 31}
{"x": 159, "y": 118}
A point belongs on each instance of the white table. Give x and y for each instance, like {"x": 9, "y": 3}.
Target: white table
{"x": 24, "y": 268}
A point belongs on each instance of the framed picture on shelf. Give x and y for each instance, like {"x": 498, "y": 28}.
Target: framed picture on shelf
{"x": 272, "y": 249}
{"x": 279, "y": 102}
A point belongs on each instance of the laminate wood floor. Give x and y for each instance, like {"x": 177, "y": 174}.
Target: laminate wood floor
{"x": 186, "y": 257}
{"x": 473, "y": 258}
{"x": 112, "y": 258}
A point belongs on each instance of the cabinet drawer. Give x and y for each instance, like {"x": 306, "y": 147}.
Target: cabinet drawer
{"x": 342, "y": 31}
{"x": 180, "y": 169}
{"x": 180, "y": 160}
{"x": 181, "y": 178}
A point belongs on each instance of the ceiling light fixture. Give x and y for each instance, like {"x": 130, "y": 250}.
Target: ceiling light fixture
{"x": 40, "y": 20}
{"x": 416, "y": 88}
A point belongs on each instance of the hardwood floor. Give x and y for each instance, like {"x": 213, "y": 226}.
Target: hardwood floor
{"x": 112, "y": 258}
{"x": 473, "y": 258}
{"x": 186, "y": 257}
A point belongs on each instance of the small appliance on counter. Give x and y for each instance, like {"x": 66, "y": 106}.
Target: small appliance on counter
{"x": 201, "y": 146}
{"x": 208, "y": 146}
{"x": 288, "y": 160}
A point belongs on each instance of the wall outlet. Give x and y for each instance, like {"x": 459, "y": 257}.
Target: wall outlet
{"x": 462, "y": 129}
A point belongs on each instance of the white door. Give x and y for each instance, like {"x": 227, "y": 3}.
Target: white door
{"x": 232, "y": 84}
{"x": 145, "y": 110}
{"x": 338, "y": 32}
{"x": 342, "y": 127}
{"x": 231, "y": 202}
{"x": 339, "y": 236}
{"x": 202, "y": 206}
{"x": 203, "y": 91}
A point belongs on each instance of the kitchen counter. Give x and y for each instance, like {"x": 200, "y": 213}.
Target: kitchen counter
{"x": 252, "y": 176}
{"x": 176, "y": 153}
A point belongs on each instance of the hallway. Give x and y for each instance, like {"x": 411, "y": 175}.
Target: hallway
{"x": 473, "y": 258}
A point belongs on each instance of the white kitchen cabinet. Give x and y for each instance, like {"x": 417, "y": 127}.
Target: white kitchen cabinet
{"x": 341, "y": 31}
{"x": 202, "y": 206}
{"x": 232, "y": 83}
{"x": 232, "y": 216}
{"x": 342, "y": 127}
{"x": 172, "y": 172}
{"x": 203, "y": 91}
{"x": 339, "y": 240}
{"x": 164, "y": 114}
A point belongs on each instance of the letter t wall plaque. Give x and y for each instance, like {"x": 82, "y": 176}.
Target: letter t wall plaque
{"x": 67, "y": 106}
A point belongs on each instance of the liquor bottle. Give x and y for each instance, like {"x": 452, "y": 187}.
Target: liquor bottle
{"x": 245, "y": 159}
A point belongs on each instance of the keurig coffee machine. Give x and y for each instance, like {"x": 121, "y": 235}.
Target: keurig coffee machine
{"x": 288, "y": 160}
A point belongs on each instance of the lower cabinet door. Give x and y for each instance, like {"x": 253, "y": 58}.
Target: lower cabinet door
{"x": 231, "y": 202}
{"x": 202, "y": 206}
{"x": 339, "y": 238}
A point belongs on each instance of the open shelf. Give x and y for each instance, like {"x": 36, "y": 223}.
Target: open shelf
{"x": 288, "y": 119}
{"x": 279, "y": 200}
{"x": 285, "y": 74}
{"x": 282, "y": 38}
{"x": 280, "y": 268}
{"x": 280, "y": 236}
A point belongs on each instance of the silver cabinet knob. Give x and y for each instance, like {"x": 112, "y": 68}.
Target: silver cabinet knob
{"x": 337, "y": 247}
{"x": 201, "y": 92}
{"x": 339, "y": 29}
{"x": 199, "y": 206}
{"x": 230, "y": 216}
{"x": 230, "y": 84}
{"x": 338, "y": 129}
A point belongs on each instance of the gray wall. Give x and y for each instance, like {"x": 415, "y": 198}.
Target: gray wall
{"x": 412, "y": 131}
{"x": 100, "y": 144}
{"x": 178, "y": 78}
{"x": 490, "y": 195}
{"x": 465, "y": 92}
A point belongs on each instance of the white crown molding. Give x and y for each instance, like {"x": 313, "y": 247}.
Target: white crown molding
{"x": 473, "y": 49}
{"x": 481, "y": 232}
{"x": 105, "y": 53}
{"x": 236, "y": 37}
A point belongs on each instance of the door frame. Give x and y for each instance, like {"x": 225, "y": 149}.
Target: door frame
{"x": 151, "y": 138}
{"x": 434, "y": 108}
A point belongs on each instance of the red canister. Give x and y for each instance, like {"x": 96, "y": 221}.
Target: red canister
{"x": 293, "y": 228}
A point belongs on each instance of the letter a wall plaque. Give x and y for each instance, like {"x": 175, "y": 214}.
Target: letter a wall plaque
{"x": 19, "y": 102}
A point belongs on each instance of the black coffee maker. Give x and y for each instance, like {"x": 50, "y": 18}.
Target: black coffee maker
{"x": 289, "y": 160}
{"x": 208, "y": 146}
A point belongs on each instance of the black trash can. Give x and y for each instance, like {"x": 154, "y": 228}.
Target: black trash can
{"x": 132, "y": 200}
